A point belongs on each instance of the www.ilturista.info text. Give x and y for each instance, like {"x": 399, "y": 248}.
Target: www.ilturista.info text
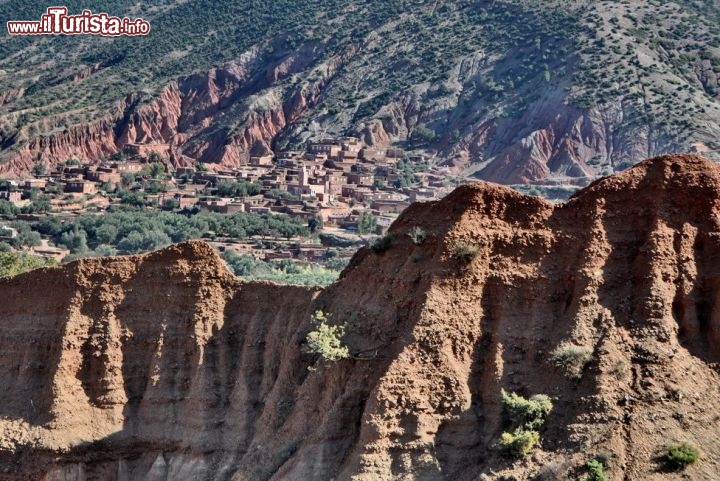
{"x": 57, "y": 22}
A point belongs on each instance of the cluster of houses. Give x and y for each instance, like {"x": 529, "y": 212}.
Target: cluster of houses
{"x": 333, "y": 180}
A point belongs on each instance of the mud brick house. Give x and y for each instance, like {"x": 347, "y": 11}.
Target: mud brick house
{"x": 352, "y": 191}
{"x": 185, "y": 199}
{"x": 338, "y": 165}
{"x": 80, "y": 187}
{"x": 263, "y": 160}
{"x": 312, "y": 252}
{"x": 326, "y": 146}
{"x": 221, "y": 205}
{"x": 131, "y": 167}
{"x": 395, "y": 153}
{"x": 389, "y": 206}
{"x": 103, "y": 175}
{"x": 372, "y": 154}
{"x": 277, "y": 255}
{"x": 254, "y": 201}
{"x": 48, "y": 252}
{"x": 186, "y": 172}
{"x": 7, "y": 233}
{"x": 188, "y": 188}
{"x": 361, "y": 179}
{"x": 417, "y": 195}
{"x": 348, "y": 156}
{"x": 144, "y": 150}
{"x": 74, "y": 171}
{"x": 334, "y": 182}
{"x": 350, "y": 144}
{"x": 11, "y": 196}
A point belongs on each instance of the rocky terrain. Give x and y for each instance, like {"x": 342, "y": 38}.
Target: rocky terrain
{"x": 512, "y": 91}
{"x": 164, "y": 366}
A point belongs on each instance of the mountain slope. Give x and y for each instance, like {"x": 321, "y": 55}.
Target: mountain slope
{"x": 512, "y": 91}
{"x": 201, "y": 376}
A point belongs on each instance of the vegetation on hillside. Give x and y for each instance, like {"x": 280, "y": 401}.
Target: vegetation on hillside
{"x": 657, "y": 58}
{"x": 526, "y": 416}
{"x": 130, "y": 230}
{"x": 680, "y": 456}
{"x": 14, "y": 263}
{"x": 652, "y": 67}
{"x": 284, "y": 271}
{"x": 190, "y": 37}
{"x": 326, "y": 339}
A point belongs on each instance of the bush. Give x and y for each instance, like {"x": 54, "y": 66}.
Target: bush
{"x": 417, "y": 235}
{"x": 381, "y": 244}
{"x": 520, "y": 442}
{"x": 525, "y": 413}
{"x": 326, "y": 340}
{"x": 571, "y": 359}
{"x": 680, "y": 456}
{"x": 464, "y": 251}
{"x": 596, "y": 471}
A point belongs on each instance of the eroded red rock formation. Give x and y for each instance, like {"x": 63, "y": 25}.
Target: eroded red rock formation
{"x": 166, "y": 367}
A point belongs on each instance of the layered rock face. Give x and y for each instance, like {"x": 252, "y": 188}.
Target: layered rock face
{"x": 166, "y": 367}
{"x": 182, "y": 120}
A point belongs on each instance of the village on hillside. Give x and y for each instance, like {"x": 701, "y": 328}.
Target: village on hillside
{"x": 339, "y": 188}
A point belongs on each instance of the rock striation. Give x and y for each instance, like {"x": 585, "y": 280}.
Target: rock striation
{"x": 164, "y": 366}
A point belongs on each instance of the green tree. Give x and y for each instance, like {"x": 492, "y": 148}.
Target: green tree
{"x": 367, "y": 222}
{"x": 106, "y": 234}
{"x": 8, "y": 209}
{"x": 117, "y": 157}
{"x": 240, "y": 188}
{"x": 39, "y": 169}
{"x": 315, "y": 224}
{"x": 596, "y": 471}
{"x": 520, "y": 442}
{"x": 127, "y": 179}
{"x": 134, "y": 198}
{"x": 527, "y": 413}
{"x": 171, "y": 204}
{"x": 144, "y": 241}
{"x": 14, "y": 263}
{"x": 243, "y": 265}
{"x": 422, "y": 135}
{"x": 40, "y": 204}
{"x": 154, "y": 157}
{"x": 75, "y": 240}
{"x": 26, "y": 237}
{"x": 326, "y": 340}
{"x": 154, "y": 170}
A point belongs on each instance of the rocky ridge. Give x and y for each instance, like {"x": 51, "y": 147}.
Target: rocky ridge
{"x": 164, "y": 366}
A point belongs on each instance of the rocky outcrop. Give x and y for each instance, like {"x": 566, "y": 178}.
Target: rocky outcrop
{"x": 164, "y": 366}
{"x": 189, "y": 115}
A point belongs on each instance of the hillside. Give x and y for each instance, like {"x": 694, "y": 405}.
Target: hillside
{"x": 512, "y": 91}
{"x": 164, "y": 366}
